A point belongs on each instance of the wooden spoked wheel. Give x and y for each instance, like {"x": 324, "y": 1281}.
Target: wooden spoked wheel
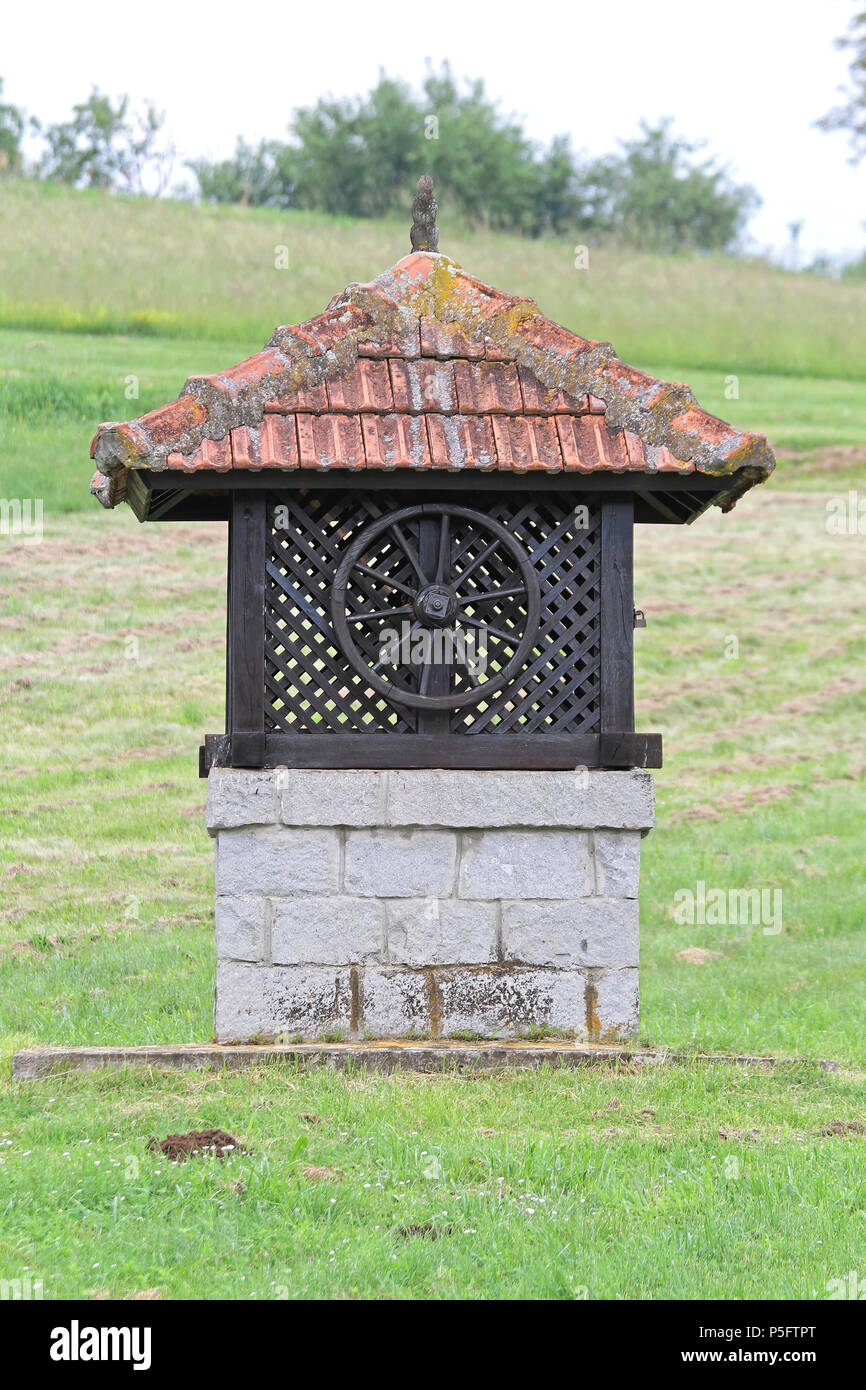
{"x": 436, "y": 606}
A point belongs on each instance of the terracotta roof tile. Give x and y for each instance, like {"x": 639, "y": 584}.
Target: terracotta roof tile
{"x": 248, "y": 373}
{"x": 588, "y": 444}
{"x": 304, "y": 398}
{"x": 486, "y": 302}
{"x": 610, "y": 444}
{"x": 447, "y": 340}
{"x": 367, "y": 387}
{"x": 426, "y": 385}
{"x": 406, "y": 345}
{"x": 550, "y": 400}
{"x": 329, "y": 441}
{"x": 666, "y": 462}
{"x": 427, "y": 367}
{"x": 169, "y": 421}
{"x": 638, "y": 386}
{"x": 526, "y": 441}
{"x": 395, "y": 441}
{"x": 697, "y": 421}
{"x": 635, "y": 450}
{"x": 245, "y": 447}
{"x": 213, "y": 454}
{"x": 546, "y": 336}
{"x": 278, "y": 440}
{"x": 487, "y": 386}
{"x": 331, "y": 327}
{"x": 461, "y": 441}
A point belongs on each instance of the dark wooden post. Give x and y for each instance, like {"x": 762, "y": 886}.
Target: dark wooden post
{"x": 246, "y": 629}
{"x": 617, "y": 625}
{"x": 432, "y": 721}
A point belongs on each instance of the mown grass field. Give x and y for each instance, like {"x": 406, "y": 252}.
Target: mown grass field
{"x": 111, "y": 648}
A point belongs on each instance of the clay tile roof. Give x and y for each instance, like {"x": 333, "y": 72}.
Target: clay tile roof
{"x": 429, "y": 368}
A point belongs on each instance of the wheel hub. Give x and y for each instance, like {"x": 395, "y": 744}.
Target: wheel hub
{"x": 435, "y": 605}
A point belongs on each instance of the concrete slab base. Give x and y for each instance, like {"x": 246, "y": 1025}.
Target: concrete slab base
{"x": 37, "y": 1063}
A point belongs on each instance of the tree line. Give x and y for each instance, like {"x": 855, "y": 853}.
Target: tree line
{"x": 361, "y": 157}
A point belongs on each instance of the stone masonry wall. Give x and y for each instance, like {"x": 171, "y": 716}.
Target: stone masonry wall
{"x": 363, "y": 904}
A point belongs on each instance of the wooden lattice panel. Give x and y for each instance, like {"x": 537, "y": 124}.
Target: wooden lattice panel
{"x": 310, "y": 685}
{"x": 558, "y": 691}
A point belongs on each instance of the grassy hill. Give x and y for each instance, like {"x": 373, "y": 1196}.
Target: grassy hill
{"x": 99, "y": 264}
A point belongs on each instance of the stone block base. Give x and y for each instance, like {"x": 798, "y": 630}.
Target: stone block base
{"x": 428, "y": 904}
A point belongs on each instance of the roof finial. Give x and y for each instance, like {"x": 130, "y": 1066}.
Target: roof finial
{"x": 425, "y": 233}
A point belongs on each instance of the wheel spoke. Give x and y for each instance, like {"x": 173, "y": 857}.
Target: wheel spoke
{"x": 470, "y": 675}
{"x": 386, "y": 579}
{"x": 382, "y": 662}
{"x": 491, "y": 598}
{"x": 410, "y": 552}
{"x": 380, "y": 613}
{"x": 513, "y": 638}
{"x": 444, "y": 534}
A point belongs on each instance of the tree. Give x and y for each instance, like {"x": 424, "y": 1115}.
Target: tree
{"x": 254, "y": 174}
{"x": 562, "y": 203}
{"x": 105, "y": 146}
{"x": 355, "y": 156}
{"x": 12, "y": 122}
{"x": 852, "y": 115}
{"x": 481, "y": 161}
{"x": 655, "y": 196}
{"x": 361, "y": 157}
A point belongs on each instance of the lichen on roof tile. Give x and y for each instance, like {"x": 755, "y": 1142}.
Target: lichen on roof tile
{"x": 428, "y": 343}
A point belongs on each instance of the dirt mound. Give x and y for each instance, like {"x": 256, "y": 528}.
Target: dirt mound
{"x": 843, "y": 1127}
{"x": 208, "y": 1143}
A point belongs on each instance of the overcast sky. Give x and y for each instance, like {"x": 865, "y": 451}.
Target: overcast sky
{"x": 748, "y": 76}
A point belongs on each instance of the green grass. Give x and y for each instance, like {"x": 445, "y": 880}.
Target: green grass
{"x": 91, "y": 263}
{"x": 563, "y": 1185}
{"x": 55, "y": 388}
